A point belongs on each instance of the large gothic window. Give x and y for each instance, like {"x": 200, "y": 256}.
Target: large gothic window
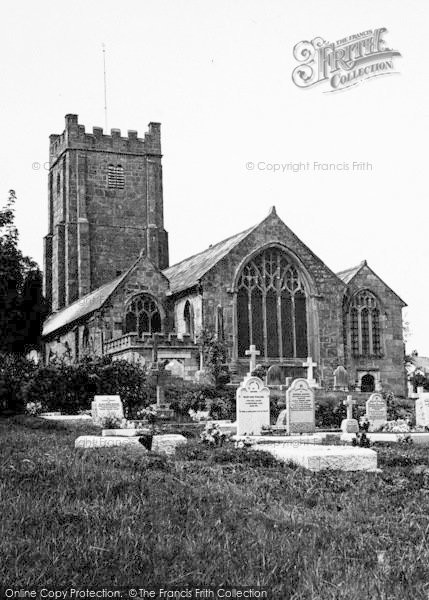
{"x": 142, "y": 316}
{"x": 272, "y": 307}
{"x": 365, "y": 325}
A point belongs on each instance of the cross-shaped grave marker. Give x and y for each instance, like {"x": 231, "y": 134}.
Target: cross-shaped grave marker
{"x": 253, "y": 353}
{"x": 310, "y": 377}
{"x": 349, "y": 403}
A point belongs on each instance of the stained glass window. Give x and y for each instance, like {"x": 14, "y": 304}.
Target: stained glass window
{"x": 365, "y": 325}
{"x": 272, "y": 307}
{"x": 142, "y": 316}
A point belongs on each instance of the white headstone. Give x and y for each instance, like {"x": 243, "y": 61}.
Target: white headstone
{"x": 253, "y": 406}
{"x": 376, "y": 411}
{"x": 422, "y": 410}
{"x": 106, "y": 406}
{"x": 300, "y": 407}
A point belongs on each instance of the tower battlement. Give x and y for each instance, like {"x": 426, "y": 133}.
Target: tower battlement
{"x": 75, "y": 137}
{"x": 105, "y": 207}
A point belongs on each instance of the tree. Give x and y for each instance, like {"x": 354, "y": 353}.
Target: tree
{"x": 215, "y": 356}
{"x": 22, "y": 307}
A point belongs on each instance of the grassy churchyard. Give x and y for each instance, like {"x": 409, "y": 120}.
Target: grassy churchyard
{"x": 210, "y": 516}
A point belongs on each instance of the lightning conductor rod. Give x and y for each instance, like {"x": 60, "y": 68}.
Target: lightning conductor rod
{"x": 105, "y": 86}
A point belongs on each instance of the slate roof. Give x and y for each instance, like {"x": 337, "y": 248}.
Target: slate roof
{"x": 186, "y": 273}
{"x": 348, "y": 274}
{"x": 82, "y": 307}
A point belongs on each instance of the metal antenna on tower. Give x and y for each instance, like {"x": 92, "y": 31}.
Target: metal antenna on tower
{"x": 105, "y": 86}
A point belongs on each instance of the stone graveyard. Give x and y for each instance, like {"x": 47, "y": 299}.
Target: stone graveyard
{"x": 130, "y": 437}
{"x": 300, "y": 443}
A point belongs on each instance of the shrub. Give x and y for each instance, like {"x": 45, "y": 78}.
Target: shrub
{"x": 71, "y": 388}
{"x": 186, "y": 395}
{"x": 15, "y": 372}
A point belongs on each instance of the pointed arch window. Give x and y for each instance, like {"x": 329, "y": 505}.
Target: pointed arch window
{"x": 142, "y": 316}
{"x": 272, "y": 307}
{"x": 115, "y": 177}
{"x": 364, "y": 315}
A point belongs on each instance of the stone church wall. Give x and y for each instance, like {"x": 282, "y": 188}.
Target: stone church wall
{"x": 326, "y": 346}
{"x": 391, "y": 365}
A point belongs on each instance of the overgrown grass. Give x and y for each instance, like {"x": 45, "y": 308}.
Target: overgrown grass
{"x": 210, "y": 517}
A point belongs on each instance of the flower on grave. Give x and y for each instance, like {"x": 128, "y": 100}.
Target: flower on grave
{"x": 246, "y": 443}
{"x": 111, "y": 422}
{"x": 212, "y": 434}
{"x": 33, "y": 408}
{"x": 398, "y": 426}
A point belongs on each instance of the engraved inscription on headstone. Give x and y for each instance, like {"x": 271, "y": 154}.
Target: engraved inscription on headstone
{"x": 300, "y": 407}
{"x": 253, "y": 406}
{"x": 106, "y": 406}
{"x": 376, "y": 411}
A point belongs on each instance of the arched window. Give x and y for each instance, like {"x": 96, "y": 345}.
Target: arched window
{"x": 115, "y": 177}
{"x": 85, "y": 338}
{"x": 364, "y": 316}
{"x": 188, "y": 316}
{"x": 142, "y": 316}
{"x": 272, "y": 307}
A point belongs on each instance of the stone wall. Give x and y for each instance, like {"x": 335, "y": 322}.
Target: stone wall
{"x": 391, "y": 365}
{"x": 95, "y": 231}
{"x": 325, "y": 296}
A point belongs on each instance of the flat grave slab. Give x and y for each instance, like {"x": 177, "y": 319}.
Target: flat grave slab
{"x": 58, "y": 417}
{"x": 166, "y": 444}
{"x": 312, "y": 438}
{"x": 124, "y": 432}
{"x": 417, "y": 438}
{"x": 318, "y": 458}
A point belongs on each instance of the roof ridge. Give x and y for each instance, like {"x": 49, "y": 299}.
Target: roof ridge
{"x": 207, "y": 249}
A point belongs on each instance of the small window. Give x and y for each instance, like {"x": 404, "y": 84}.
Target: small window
{"x": 58, "y": 183}
{"x": 115, "y": 177}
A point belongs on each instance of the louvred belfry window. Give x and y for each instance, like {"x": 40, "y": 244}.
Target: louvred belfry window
{"x": 142, "y": 316}
{"x": 272, "y": 307}
{"x": 115, "y": 177}
{"x": 365, "y": 325}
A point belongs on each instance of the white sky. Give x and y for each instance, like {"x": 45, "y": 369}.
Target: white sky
{"x": 217, "y": 75}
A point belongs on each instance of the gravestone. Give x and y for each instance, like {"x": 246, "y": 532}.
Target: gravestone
{"x": 176, "y": 368}
{"x": 253, "y": 406}
{"x": 349, "y": 425}
{"x": 275, "y": 376}
{"x": 341, "y": 379}
{"x": 309, "y": 364}
{"x": 106, "y": 406}
{"x": 376, "y": 411}
{"x": 422, "y": 410}
{"x": 300, "y": 407}
{"x": 253, "y": 353}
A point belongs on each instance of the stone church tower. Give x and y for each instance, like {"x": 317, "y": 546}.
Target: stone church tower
{"x": 105, "y": 207}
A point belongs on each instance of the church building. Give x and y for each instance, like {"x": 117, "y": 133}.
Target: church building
{"x": 111, "y": 288}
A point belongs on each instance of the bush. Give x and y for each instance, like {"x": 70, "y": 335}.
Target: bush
{"x": 15, "y": 372}
{"x": 185, "y": 395}
{"x": 71, "y": 388}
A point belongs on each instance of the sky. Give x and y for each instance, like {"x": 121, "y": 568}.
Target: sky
{"x": 218, "y": 76}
